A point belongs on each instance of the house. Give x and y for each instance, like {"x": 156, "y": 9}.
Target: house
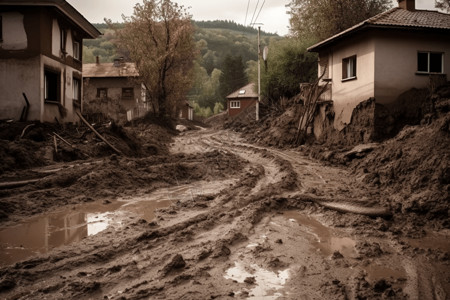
{"x": 114, "y": 89}
{"x": 242, "y": 99}
{"x": 186, "y": 111}
{"x": 41, "y": 44}
{"x": 380, "y": 59}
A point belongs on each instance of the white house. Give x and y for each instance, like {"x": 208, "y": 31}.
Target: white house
{"x": 384, "y": 56}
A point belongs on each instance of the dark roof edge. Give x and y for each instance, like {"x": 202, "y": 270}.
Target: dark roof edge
{"x": 64, "y": 7}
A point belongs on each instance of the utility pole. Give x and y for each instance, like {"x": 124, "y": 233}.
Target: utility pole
{"x": 259, "y": 74}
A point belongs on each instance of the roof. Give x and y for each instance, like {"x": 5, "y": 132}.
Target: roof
{"x": 395, "y": 18}
{"x": 109, "y": 70}
{"x": 247, "y": 91}
{"x": 68, "y": 10}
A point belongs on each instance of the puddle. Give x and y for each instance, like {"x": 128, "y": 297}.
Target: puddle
{"x": 327, "y": 240}
{"x": 433, "y": 241}
{"x": 376, "y": 272}
{"x": 40, "y": 235}
{"x": 267, "y": 283}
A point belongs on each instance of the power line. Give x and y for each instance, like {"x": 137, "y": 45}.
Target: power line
{"x": 259, "y": 11}
{"x": 246, "y": 14}
{"x": 256, "y": 8}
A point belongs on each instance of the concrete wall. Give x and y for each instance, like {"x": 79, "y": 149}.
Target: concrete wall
{"x": 19, "y": 76}
{"x": 14, "y": 35}
{"x": 347, "y": 94}
{"x": 396, "y": 62}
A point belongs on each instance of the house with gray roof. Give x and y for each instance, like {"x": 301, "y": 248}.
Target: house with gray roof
{"x": 41, "y": 44}
{"x": 381, "y": 58}
{"x": 242, "y": 99}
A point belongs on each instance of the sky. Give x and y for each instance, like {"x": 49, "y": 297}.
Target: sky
{"x": 273, "y": 15}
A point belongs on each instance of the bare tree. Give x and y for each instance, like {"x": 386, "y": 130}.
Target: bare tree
{"x": 158, "y": 37}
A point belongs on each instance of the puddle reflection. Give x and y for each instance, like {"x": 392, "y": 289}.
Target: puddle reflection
{"x": 328, "y": 240}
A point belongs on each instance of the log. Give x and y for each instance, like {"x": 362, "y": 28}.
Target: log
{"x": 59, "y": 137}
{"x": 25, "y": 129}
{"x": 98, "y": 134}
{"x": 55, "y": 144}
{"x": 14, "y": 184}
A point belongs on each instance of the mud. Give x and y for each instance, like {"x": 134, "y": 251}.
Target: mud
{"x": 214, "y": 218}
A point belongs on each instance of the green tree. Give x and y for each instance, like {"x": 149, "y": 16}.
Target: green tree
{"x": 159, "y": 38}
{"x": 233, "y": 75}
{"x": 320, "y": 19}
{"x": 218, "y": 108}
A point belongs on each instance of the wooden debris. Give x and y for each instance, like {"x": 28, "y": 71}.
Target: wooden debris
{"x": 98, "y": 134}
{"x": 55, "y": 144}
{"x": 25, "y": 129}
{"x": 59, "y": 137}
{"x": 14, "y": 184}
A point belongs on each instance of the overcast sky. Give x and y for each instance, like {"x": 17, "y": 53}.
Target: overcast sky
{"x": 273, "y": 13}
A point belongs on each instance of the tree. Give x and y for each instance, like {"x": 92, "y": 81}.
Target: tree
{"x": 443, "y": 5}
{"x": 158, "y": 37}
{"x": 320, "y": 19}
{"x": 233, "y": 75}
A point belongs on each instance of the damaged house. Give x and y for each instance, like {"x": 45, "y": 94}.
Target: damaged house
{"x": 114, "y": 90}
{"x": 371, "y": 66}
{"x": 41, "y": 46}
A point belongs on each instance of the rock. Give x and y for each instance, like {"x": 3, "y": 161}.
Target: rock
{"x": 181, "y": 128}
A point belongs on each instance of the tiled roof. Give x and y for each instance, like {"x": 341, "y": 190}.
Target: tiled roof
{"x": 247, "y": 91}
{"x": 396, "y": 18}
{"x": 109, "y": 70}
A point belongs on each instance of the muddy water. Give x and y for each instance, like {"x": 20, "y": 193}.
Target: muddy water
{"x": 49, "y": 231}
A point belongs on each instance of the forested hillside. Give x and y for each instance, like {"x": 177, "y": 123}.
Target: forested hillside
{"x": 224, "y": 47}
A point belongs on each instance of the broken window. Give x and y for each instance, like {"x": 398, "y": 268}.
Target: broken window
{"x": 63, "y": 39}
{"x": 76, "y": 92}
{"x": 349, "y": 68}
{"x": 102, "y": 93}
{"x": 127, "y": 93}
{"x": 430, "y": 62}
{"x": 51, "y": 85}
{"x": 76, "y": 50}
{"x": 235, "y": 104}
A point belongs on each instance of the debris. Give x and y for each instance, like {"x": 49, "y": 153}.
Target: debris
{"x": 25, "y": 129}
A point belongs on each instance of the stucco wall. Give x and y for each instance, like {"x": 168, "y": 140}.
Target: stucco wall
{"x": 347, "y": 94}
{"x": 19, "y": 76}
{"x": 396, "y": 62}
{"x": 14, "y": 35}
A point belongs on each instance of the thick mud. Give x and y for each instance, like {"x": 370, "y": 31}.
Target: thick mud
{"x": 218, "y": 218}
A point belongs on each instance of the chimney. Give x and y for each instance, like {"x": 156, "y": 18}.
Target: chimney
{"x": 97, "y": 60}
{"x": 407, "y": 4}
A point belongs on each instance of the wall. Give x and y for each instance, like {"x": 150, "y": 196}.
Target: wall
{"x": 245, "y": 103}
{"x": 19, "y": 76}
{"x": 14, "y": 35}
{"x": 347, "y": 94}
{"x": 396, "y": 62}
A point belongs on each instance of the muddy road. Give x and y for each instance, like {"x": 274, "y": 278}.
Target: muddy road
{"x": 218, "y": 218}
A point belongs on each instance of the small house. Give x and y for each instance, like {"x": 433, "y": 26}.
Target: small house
{"x": 381, "y": 58}
{"x": 186, "y": 111}
{"x": 41, "y": 45}
{"x": 114, "y": 89}
{"x": 242, "y": 99}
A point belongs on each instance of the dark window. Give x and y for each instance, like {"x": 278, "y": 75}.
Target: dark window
{"x": 127, "y": 93}
{"x": 51, "y": 86}
{"x": 429, "y": 62}
{"x": 1, "y": 29}
{"x": 102, "y": 93}
{"x": 76, "y": 50}
{"x": 63, "y": 39}
{"x": 76, "y": 90}
{"x": 349, "y": 67}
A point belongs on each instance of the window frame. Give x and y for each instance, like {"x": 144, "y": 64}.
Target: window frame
{"x": 346, "y": 62}
{"x": 428, "y": 63}
{"x": 235, "y": 104}
{"x": 99, "y": 93}
{"x": 76, "y": 91}
{"x": 127, "y": 93}
{"x": 1, "y": 28}
{"x": 55, "y": 88}
{"x": 63, "y": 38}
{"x": 76, "y": 50}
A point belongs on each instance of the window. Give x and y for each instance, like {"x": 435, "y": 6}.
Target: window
{"x": 76, "y": 91}
{"x": 235, "y": 104}
{"x": 430, "y": 62}
{"x": 102, "y": 93}
{"x": 127, "y": 93}
{"x": 76, "y": 50}
{"x": 63, "y": 39}
{"x": 349, "y": 68}
{"x": 1, "y": 29}
{"x": 51, "y": 85}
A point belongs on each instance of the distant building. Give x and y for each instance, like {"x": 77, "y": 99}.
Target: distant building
{"x": 381, "y": 58}
{"x": 186, "y": 111}
{"x": 115, "y": 89}
{"x": 41, "y": 46}
{"x": 242, "y": 99}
